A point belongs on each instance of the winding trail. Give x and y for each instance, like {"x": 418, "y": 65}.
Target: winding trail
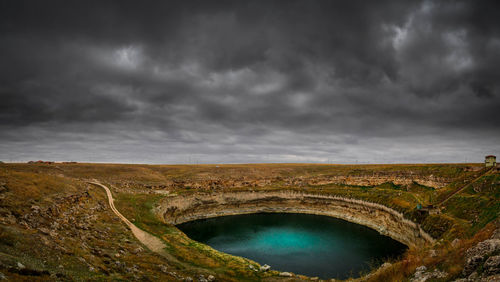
{"x": 151, "y": 242}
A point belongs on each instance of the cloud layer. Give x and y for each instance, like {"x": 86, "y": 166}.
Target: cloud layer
{"x": 249, "y": 81}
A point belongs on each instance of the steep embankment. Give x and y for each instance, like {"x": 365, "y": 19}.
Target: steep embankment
{"x": 176, "y": 210}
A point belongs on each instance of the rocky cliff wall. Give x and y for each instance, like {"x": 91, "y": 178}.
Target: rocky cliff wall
{"x": 180, "y": 209}
{"x": 374, "y": 180}
{"x": 210, "y": 182}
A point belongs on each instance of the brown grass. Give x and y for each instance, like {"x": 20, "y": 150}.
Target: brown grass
{"x": 25, "y": 185}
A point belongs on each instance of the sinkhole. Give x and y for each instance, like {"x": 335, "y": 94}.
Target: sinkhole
{"x": 311, "y": 245}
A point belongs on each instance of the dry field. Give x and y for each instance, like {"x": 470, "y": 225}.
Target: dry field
{"x": 55, "y": 225}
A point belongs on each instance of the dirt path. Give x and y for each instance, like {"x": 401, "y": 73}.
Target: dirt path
{"x": 151, "y": 242}
{"x": 463, "y": 187}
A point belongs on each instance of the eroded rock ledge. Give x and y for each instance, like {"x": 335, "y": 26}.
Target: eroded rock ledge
{"x": 180, "y": 209}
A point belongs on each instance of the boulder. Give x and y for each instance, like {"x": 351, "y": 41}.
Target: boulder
{"x": 265, "y": 267}
{"x": 286, "y": 274}
{"x": 163, "y": 268}
{"x": 137, "y": 250}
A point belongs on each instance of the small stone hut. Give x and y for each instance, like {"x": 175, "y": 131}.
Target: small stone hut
{"x": 490, "y": 161}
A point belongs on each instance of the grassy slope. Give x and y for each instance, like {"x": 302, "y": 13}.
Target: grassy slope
{"x": 465, "y": 215}
{"x": 72, "y": 253}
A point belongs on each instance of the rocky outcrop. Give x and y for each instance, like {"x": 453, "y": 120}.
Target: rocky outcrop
{"x": 377, "y": 179}
{"x": 179, "y": 209}
{"x": 422, "y": 275}
{"x": 252, "y": 179}
{"x": 482, "y": 261}
{"x": 476, "y": 255}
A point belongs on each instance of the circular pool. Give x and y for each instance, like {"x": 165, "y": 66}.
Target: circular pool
{"x": 311, "y": 245}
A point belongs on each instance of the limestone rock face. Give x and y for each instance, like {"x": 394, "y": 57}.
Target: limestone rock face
{"x": 380, "y": 178}
{"x": 257, "y": 179}
{"x": 483, "y": 248}
{"x": 180, "y": 209}
{"x": 478, "y": 254}
{"x": 483, "y": 260}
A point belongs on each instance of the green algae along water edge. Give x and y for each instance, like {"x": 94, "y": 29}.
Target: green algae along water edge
{"x": 305, "y": 244}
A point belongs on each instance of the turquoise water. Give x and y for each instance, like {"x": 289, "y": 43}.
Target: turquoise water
{"x": 304, "y": 244}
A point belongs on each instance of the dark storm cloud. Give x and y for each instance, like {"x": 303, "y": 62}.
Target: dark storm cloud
{"x": 246, "y": 81}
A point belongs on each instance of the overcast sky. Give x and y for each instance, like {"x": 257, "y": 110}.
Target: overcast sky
{"x": 249, "y": 81}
